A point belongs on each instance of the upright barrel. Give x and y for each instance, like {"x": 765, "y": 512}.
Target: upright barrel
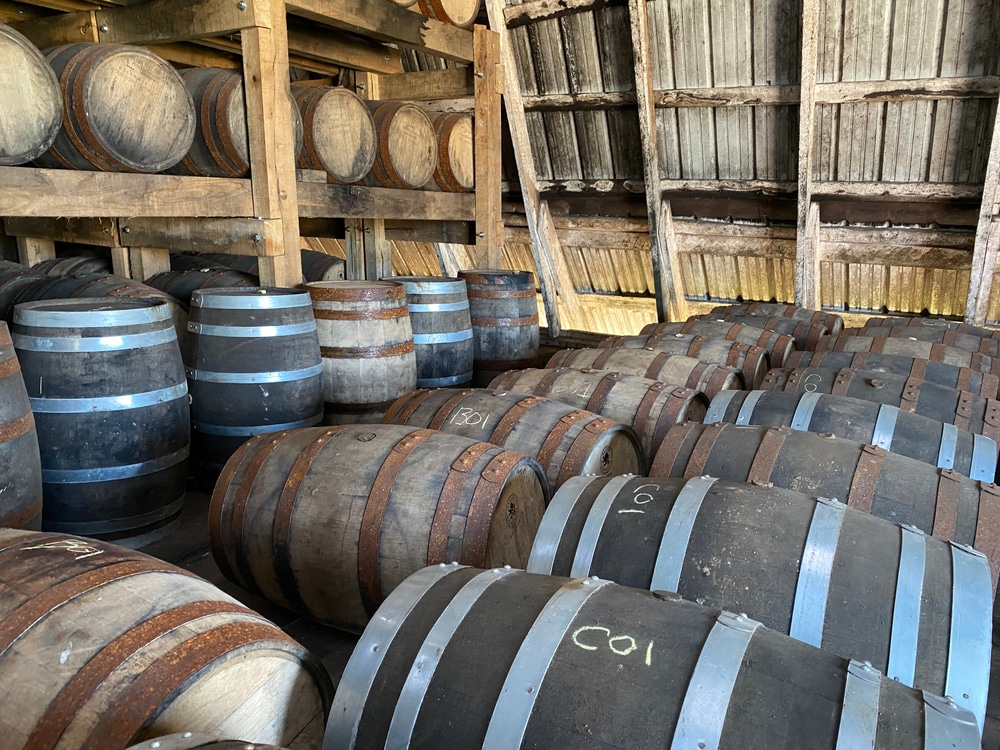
{"x": 456, "y": 172}
{"x": 366, "y": 341}
{"x": 339, "y": 132}
{"x": 106, "y": 384}
{"x": 778, "y": 345}
{"x": 546, "y": 662}
{"x": 32, "y": 111}
{"x": 253, "y": 366}
{"x": 834, "y": 323}
{"x": 328, "y": 521}
{"x": 442, "y": 329}
{"x": 504, "y": 321}
{"x": 406, "y": 155}
{"x": 182, "y": 284}
{"x": 20, "y": 463}
{"x": 908, "y": 347}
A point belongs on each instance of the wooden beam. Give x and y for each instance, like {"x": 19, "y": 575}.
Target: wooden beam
{"x": 377, "y": 249}
{"x": 100, "y": 232}
{"x": 539, "y": 10}
{"x": 921, "y": 191}
{"x": 195, "y": 55}
{"x": 63, "y": 28}
{"x": 354, "y": 249}
{"x": 488, "y": 87}
{"x": 360, "y": 202}
{"x": 450, "y": 83}
{"x": 984, "y": 257}
{"x": 918, "y": 89}
{"x": 343, "y": 49}
{"x": 806, "y": 263}
{"x": 912, "y": 256}
{"x": 236, "y": 236}
{"x": 730, "y": 96}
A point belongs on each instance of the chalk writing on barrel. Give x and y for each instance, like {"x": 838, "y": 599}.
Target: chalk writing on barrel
{"x": 622, "y": 645}
{"x": 640, "y": 498}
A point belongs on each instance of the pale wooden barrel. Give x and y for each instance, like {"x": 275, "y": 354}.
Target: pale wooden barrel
{"x": 806, "y": 334}
{"x": 937, "y": 323}
{"x": 407, "y": 149}
{"x": 32, "y": 102}
{"x": 110, "y": 647}
{"x": 908, "y": 347}
{"x": 456, "y": 170}
{"x": 339, "y": 133}
{"x": 957, "y": 339}
{"x": 460, "y": 13}
{"x": 768, "y": 309}
{"x": 366, "y": 341}
{"x": 778, "y": 345}
{"x": 328, "y": 521}
{"x": 20, "y": 462}
{"x": 111, "y": 93}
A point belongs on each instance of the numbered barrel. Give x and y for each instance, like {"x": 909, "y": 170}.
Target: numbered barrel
{"x": 32, "y": 111}
{"x": 566, "y": 441}
{"x": 806, "y": 334}
{"x": 462, "y": 13}
{"x": 834, "y": 323}
{"x": 649, "y": 407}
{"x": 406, "y": 153}
{"x": 960, "y": 408}
{"x": 706, "y": 377}
{"x": 106, "y": 384}
{"x": 339, "y": 132}
{"x": 988, "y": 347}
{"x": 752, "y": 361}
{"x": 182, "y": 284}
{"x": 504, "y": 311}
{"x": 934, "y": 323}
{"x": 791, "y": 562}
{"x": 456, "y": 169}
{"x": 909, "y": 347}
{"x": 253, "y": 366}
{"x": 73, "y": 264}
{"x": 931, "y": 441}
{"x": 937, "y": 501}
{"x": 328, "y": 521}
{"x": 952, "y": 376}
{"x": 540, "y": 661}
{"x": 191, "y": 741}
{"x": 109, "y": 647}
{"x": 20, "y": 463}
{"x": 778, "y": 345}
{"x": 366, "y": 341}
{"x": 111, "y": 95}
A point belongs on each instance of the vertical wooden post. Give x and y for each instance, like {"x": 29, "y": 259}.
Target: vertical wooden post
{"x": 32, "y": 250}
{"x": 984, "y": 255}
{"x": 354, "y": 249}
{"x": 807, "y": 243}
{"x": 377, "y": 250}
{"x": 146, "y": 262}
{"x": 489, "y": 85}
{"x": 670, "y": 266}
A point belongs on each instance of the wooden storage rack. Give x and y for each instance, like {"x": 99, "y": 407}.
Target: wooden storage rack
{"x": 141, "y": 216}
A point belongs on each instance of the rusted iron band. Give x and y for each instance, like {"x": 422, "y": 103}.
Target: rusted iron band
{"x": 767, "y": 455}
{"x": 752, "y": 359}
{"x": 842, "y": 383}
{"x": 991, "y": 419}
{"x": 718, "y": 379}
{"x": 937, "y": 353}
{"x": 655, "y": 365}
{"x": 694, "y": 348}
{"x": 857, "y": 361}
{"x": 611, "y": 342}
{"x": 734, "y": 332}
{"x": 865, "y": 479}
{"x": 503, "y": 428}
{"x": 445, "y": 410}
{"x": 367, "y": 352}
{"x": 770, "y": 382}
{"x": 545, "y": 384}
{"x": 676, "y": 402}
{"x": 530, "y": 320}
{"x": 389, "y": 313}
{"x": 918, "y": 370}
{"x": 600, "y": 362}
{"x": 877, "y": 344}
{"x": 702, "y": 450}
{"x": 555, "y": 437}
{"x": 694, "y": 376}
{"x": 686, "y": 328}
{"x": 792, "y": 381}
{"x": 987, "y": 538}
{"x": 16, "y": 428}
{"x": 644, "y": 408}
{"x": 402, "y": 408}
{"x": 385, "y": 293}
{"x": 990, "y": 385}
{"x": 964, "y": 381}
{"x": 22, "y": 516}
{"x": 669, "y": 448}
{"x": 949, "y": 491}
{"x": 484, "y": 506}
{"x": 451, "y": 490}
{"x": 600, "y": 394}
{"x": 910, "y": 396}
{"x": 500, "y": 293}
{"x": 9, "y": 366}
{"x": 581, "y": 448}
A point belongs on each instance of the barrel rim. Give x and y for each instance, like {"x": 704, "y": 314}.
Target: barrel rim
{"x": 497, "y": 276}
{"x": 46, "y": 70}
{"x": 250, "y": 297}
{"x": 98, "y": 312}
{"x": 354, "y": 291}
{"x": 438, "y": 284}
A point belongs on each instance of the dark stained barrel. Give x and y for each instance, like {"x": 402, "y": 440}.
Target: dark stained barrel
{"x": 692, "y": 373}
{"x": 546, "y": 662}
{"x": 315, "y": 266}
{"x": 937, "y": 501}
{"x": 32, "y": 111}
{"x": 909, "y": 347}
{"x": 791, "y": 562}
{"x": 988, "y": 347}
{"x": 121, "y": 647}
{"x": 14, "y": 278}
{"x": 566, "y": 441}
{"x": 321, "y": 266}
{"x": 328, "y": 521}
{"x": 960, "y": 408}
{"x": 191, "y": 741}
{"x": 20, "y": 464}
{"x": 182, "y": 284}
{"x": 833, "y": 322}
{"x": 931, "y": 441}
{"x": 107, "y": 387}
{"x": 933, "y": 323}
{"x": 442, "y": 329}
{"x": 962, "y": 378}
{"x": 752, "y": 361}
{"x": 778, "y": 345}
{"x": 73, "y": 264}
{"x": 504, "y": 321}
{"x": 253, "y": 366}
{"x": 339, "y": 132}
{"x": 649, "y": 407}
{"x": 806, "y": 334}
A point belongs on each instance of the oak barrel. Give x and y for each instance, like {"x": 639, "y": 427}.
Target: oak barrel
{"x": 937, "y": 501}
{"x": 328, "y": 521}
{"x": 752, "y": 361}
{"x": 191, "y": 741}
{"x": 960, "y": 408}
{"x": 649, "y": 407}
{"x": 315, "y": 266}
{"x": 929, "y": 440}
{"x": 806, "y": 334}
{"x": 462, "y": 13}
{"x": 253, "y": 366}
{"x": 982, "y": 384}
{"x": 73, "y": 264}
{"x": 339, "y": 132}
{"x": 934, "y": 323}
{"x": 833, "y": 322}
{"x": 456, "y": 170}
{"x": 20, "y": 463}
{"x": 406, "y": 153}
{"x": 523, "y": 660}
{"x": 566, "y": 441}
{"x": 909, "y": 347}
{"x": 791, "y": 562}
{"x": 778, "y": 345}
{"x": 504, "y": 321}
{"x": 32, "y": 108}
{"x": 111, "y": 94}
{"x": 182, "y": 284}
{"x": 106, "y": 384}
{"x": 988, "y": 347}
{"x": 110, "y": 647}
{"x": 366, "y": 340}
{"x": 14, "y": 278}
{"x": 706, "y": 377}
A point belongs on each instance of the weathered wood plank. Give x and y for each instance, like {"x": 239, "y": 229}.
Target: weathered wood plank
{"x": 539, "y": 10}
{"x": 985, "y": 252}
{"x": 451, "y": 83}
{"x": 32, "y": 250}
{"x": 101, "y": 232}
{"x": 248, "y": 236}
{"x": 488, "y": 87}
{"x": 918, "y": 256}
{"x": 145, "y": 262}
{"x": 360, "y": 202}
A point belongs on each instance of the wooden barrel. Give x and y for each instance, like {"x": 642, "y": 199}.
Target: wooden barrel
{"x": 547, "y": 662}
{"x": 315, "y": 266}
{"x": 456, "y": 170}
{"x": 504, "y": 321}
{"x": 32, "y": 110}
{"x": 963, "y": 378}
{"x": 462, "y": 13}
{"x": 965, "y": 342}
{"x": 806, "y": 334}
{"x": 122, "y": 647}
{"x": 220, "y": 147}
{"x": 73, "y": 264}
{"x": 752, "y": 361}
{"x": 834, "y": 323}
{"x": 106, "y": 384}
{"x": 191, "y": 741}
{"x": 928, "y": 440}
{"x": 182, "y": 284}
{"x": 649, "y": 407}
{"x": 692, "y": 373}
{"x": 442, "y": 329}
{"x": 791, "y": 562}
{"x": 20, "y": 463}
{"x": 321, "y": 266}
{"x": 14, "y": 279}
{"x": 339, "y": 132}
{"x": 960, "y": 408}
{"x": 933, "y": 323}
{"x": 909, "y": 347}
{"x": 253, "y": 366}
{"x": 406, "y": 156}
{"x": 403, "y": 3}
{"x": 778, "y": 345}
{"x": 937, "y": 501}
{"x": 111, "y": 94}
{"x": 566, "y": 441}
{"x": 366, "y": 340}
{"x": 328, "y": 521}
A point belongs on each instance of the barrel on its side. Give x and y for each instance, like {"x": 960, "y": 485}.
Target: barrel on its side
{"x": 541, "y": 661}
{"x": 15, "y": 278}
{"x": 20, "y": 463}
{"x": 315, "y": 266}
{"x": 934, "y": 323}
{"x": 778, "y": 345}
{"x": 909, "y": 347}
{"x": 73, "y": 264}
{"x": 988, "y": 347}
{"x": 406, "y": 154}
{"x": 462, "y": 13}
{"x": 328, "y": 521}
{"x": 339, "y": 132}
{"x": 456, "y": 172}
{"x": 806, "y": 334}
{"x": 833, "y": 322}
{"x": 182, "y": 284}
{"x": 32, "y": 110}
{"x": 191, "y": 741}
{"x": 791, "y": 562}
